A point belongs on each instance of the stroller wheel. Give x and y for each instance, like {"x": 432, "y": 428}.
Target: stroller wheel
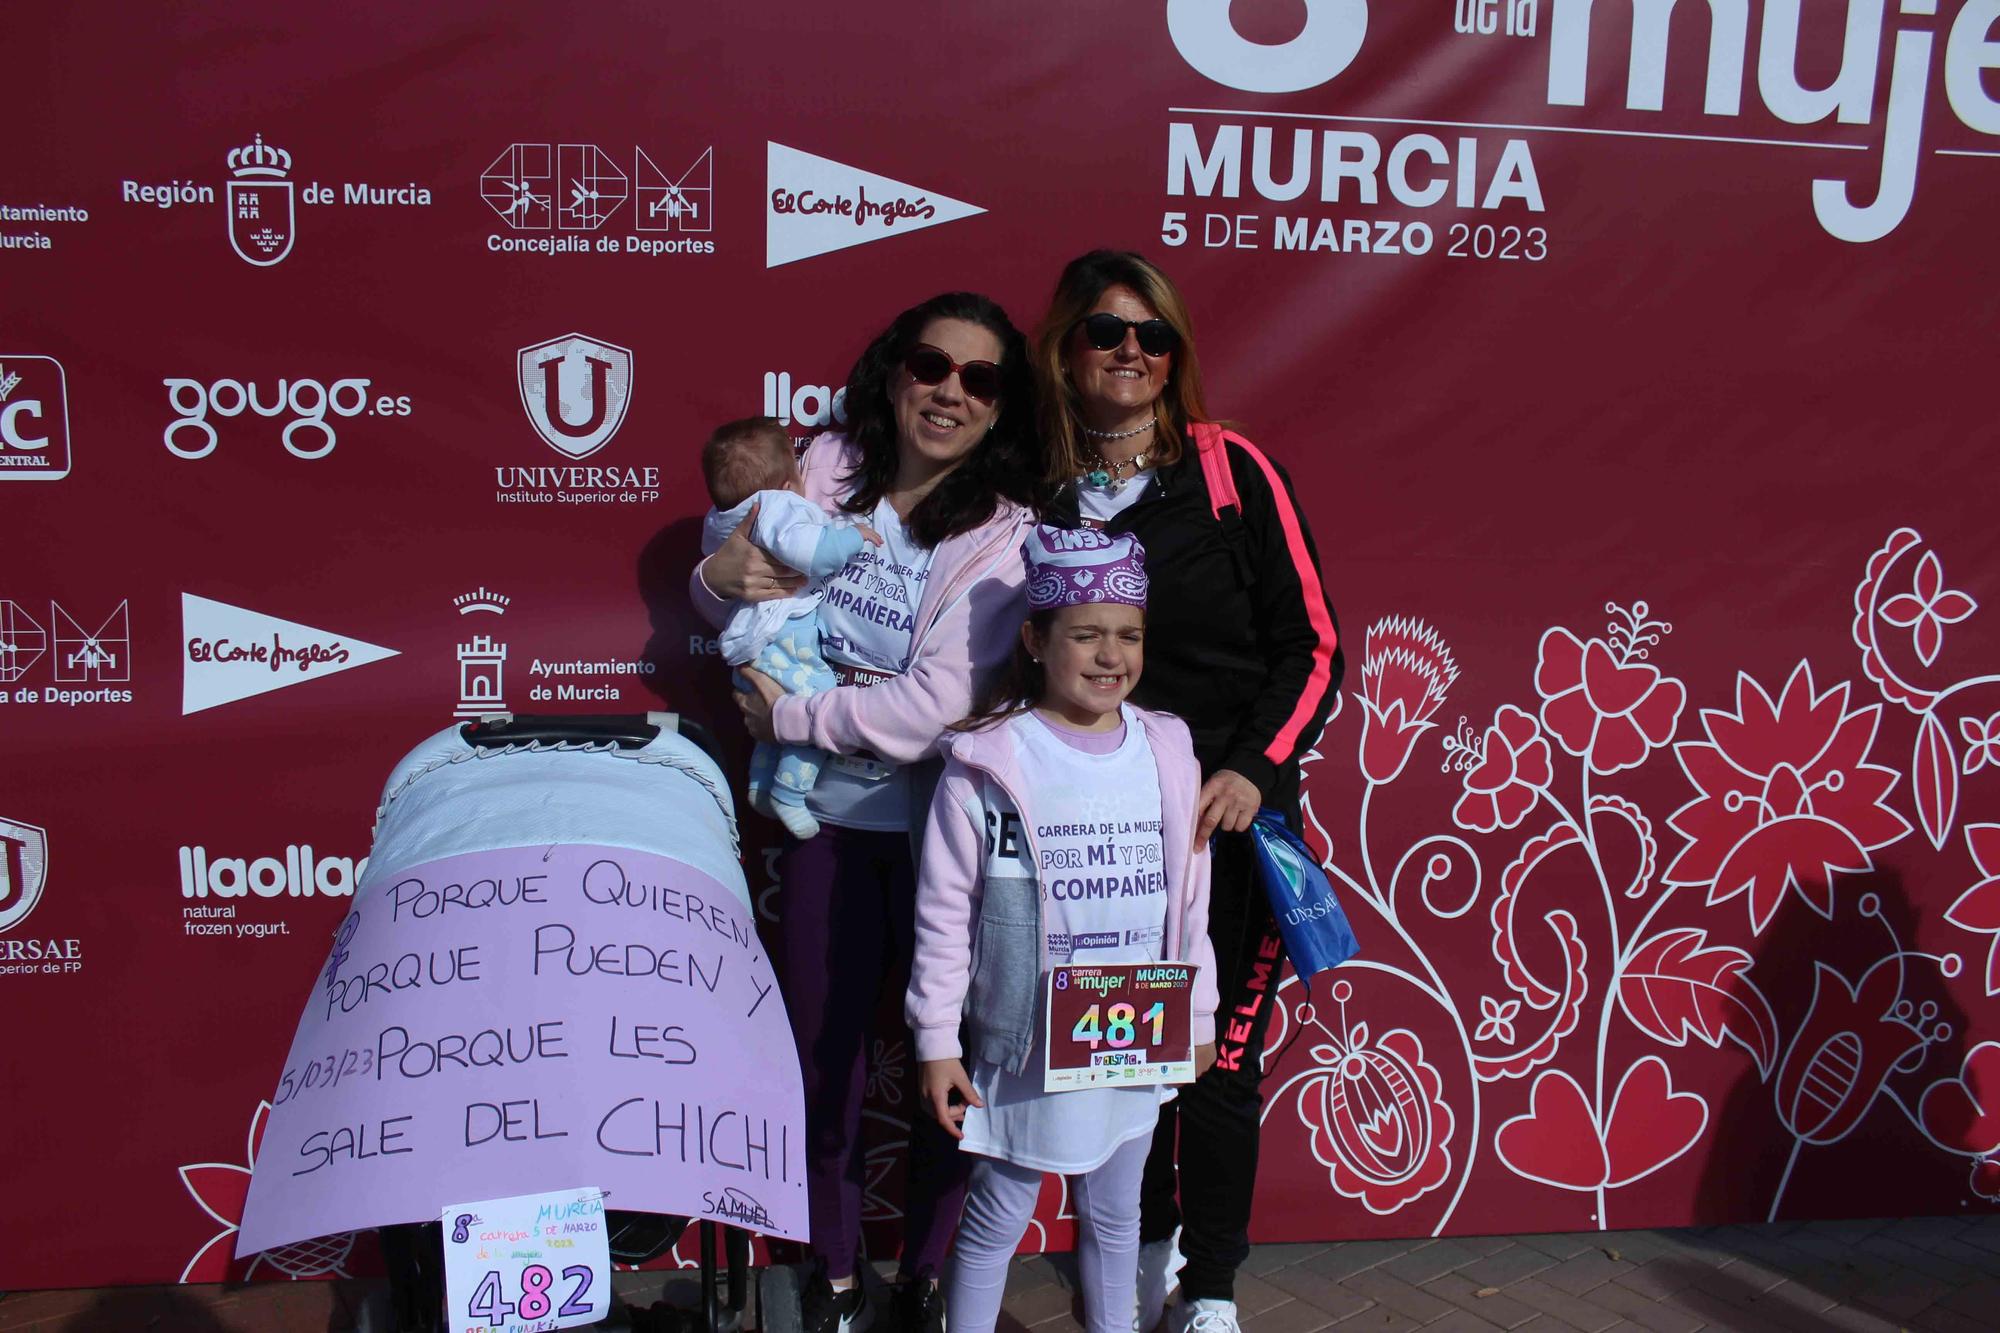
{"x": 778, "y": 1304}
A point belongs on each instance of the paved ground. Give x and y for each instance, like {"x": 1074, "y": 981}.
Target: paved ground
{"x": 1941, "y": 1275}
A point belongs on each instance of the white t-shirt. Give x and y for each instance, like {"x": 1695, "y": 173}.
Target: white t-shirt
{"x": 1104, "y": 900}
{"x": 867, "y": 617}
{"x": 1098, "y": 505}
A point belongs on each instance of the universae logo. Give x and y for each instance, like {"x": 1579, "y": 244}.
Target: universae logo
{"x": 24, "y": 870}
{"x": 1335, "y": 30}
{"x": 575, "y": 390}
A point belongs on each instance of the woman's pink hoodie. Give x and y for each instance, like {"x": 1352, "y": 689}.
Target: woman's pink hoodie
{"x": 972, "y": 609}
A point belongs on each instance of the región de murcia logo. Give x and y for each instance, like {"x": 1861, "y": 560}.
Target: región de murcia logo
{"x": 261, "y": 201}
{"x": 261, "y": 221}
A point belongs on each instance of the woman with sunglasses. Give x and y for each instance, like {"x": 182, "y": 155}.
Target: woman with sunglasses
{"x": 1241, "y": 643}
{"x": 938, "y": 458}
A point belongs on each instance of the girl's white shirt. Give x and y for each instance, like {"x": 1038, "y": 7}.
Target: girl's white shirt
{"x": 1104, "y": 900}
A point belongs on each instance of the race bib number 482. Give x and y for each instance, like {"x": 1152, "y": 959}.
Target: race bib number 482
{"x": 1131, "y": 1023}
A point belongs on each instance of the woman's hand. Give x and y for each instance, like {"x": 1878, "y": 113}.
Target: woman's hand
{"x": 1228, "y": 801}
{"x": 1204, "y": 1056}
{"x": 756, "y": 703}
{"x": 740, "y": 571}
{"x": 938, "y": 1079}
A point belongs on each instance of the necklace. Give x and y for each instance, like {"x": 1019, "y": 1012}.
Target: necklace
{"x": 1107, "y": 475}
{"x": 1119, "y": 434}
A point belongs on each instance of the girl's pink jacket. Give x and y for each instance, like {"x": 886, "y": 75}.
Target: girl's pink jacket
{"x": 980, "y": 946}
{"x": 972, "y": 609}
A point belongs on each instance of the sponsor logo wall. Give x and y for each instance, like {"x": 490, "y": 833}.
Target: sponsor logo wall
{"x": 1631, "y": 361}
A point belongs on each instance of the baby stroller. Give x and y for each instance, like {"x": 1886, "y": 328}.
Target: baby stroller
{"x": 648, "y": 783}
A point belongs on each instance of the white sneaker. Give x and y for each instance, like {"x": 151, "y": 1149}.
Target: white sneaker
{"x": 1159, "y": 1261}
{"x": 1203, "y": 1317}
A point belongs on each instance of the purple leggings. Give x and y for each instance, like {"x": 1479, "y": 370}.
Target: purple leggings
{"x": 997, "y": 1213}
{"x": 846, "y": 924}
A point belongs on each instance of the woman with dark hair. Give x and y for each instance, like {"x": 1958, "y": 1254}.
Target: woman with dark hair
{"x": 939, "y": 459}
{"x": 1242, "y": 646}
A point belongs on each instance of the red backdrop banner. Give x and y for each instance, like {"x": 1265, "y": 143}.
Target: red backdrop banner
{"x": 1627, "y": 358}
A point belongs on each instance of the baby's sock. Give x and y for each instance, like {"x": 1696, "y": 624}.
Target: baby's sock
{"x": 798, "y": 820}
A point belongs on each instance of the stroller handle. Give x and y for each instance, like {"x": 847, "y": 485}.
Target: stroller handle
{"x": 628, "y": 731}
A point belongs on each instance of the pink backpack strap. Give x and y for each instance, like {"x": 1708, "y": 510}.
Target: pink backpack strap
{"x": 1209, "y": 442}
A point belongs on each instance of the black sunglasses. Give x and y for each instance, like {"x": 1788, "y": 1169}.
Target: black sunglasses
{"x": 1105, "y": 331}
{"x": 928, "y": 365}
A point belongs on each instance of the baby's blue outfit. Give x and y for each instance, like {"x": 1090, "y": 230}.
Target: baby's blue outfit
{"x": 781, "y": 638}
{"x": 792, "y": 659}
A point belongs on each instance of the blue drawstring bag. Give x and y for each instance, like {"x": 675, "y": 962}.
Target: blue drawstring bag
{"x": 1315, "y": 930}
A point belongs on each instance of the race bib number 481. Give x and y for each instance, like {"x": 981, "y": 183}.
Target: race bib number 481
{"x": 1127, "y": 1024}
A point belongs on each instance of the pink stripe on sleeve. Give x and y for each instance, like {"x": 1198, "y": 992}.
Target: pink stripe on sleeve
{"x": 1314, "y": 696}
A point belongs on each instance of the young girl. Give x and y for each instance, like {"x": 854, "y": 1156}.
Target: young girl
{"x": 1053, "y": 769}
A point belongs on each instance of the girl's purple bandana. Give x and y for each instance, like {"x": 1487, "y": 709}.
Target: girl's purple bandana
{"x": 1074, "y": 566}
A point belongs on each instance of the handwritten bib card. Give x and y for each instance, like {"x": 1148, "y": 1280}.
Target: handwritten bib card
{"x": 528, "y": 1263}
{"x": 1129, "y": 1023}
{"x": 491, "y": 1022}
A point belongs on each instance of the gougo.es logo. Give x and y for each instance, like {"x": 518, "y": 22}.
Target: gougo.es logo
{"x": 308, "y": 402}
{"x": 1335, "y": 29}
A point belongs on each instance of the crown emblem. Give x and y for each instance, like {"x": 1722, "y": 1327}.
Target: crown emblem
{"x": 259, "y": 159}
{"x": 482, "y": 600}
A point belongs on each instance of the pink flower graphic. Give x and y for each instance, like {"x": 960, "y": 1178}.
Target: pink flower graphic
{"x": 1496, "y": 1019}
{"x": 220, "y": 1188}
{"x": 1985, "y": 1180}
{"x": 1377, "y": 1114}
{"x": 1788, "y": 800}
{"x": 1978, "y": 908}
{"x": 1928, "y": 608}
{"x": 1405, "y": 671}
{"x": 1505, "y": 773}
{"x": 1602, "y": 700}
{"x": 1868, "y": 620}
{"x": 1982, "y": 742}
{"x": 1852, "y": 1038}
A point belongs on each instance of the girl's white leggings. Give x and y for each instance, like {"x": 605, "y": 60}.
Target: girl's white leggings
{"x": 999, "y": 1204}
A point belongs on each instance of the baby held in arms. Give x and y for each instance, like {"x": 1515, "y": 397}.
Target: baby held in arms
{"x": 752, "y": 475}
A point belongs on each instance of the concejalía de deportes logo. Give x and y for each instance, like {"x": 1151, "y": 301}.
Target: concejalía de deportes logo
{"x": 551, "y": 196}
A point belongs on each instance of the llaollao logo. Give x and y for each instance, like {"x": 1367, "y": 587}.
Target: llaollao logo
{"x": 1209, "y": 42}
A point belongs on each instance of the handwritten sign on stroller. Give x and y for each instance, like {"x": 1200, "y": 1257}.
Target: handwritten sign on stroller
{"x": 535, "y": 1261}
{"x": 505, "y": 1022}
